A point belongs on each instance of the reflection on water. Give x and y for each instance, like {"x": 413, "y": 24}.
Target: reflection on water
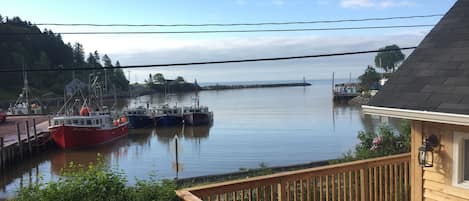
{"x": 277, "y": 126}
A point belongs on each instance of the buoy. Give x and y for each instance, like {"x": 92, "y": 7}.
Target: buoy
{"x": 84, "y": 111}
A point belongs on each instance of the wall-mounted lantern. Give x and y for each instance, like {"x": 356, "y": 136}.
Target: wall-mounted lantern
{"x": 426, "y": 156}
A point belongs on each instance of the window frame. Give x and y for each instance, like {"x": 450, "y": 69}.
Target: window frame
{"x": 459, "y": 139}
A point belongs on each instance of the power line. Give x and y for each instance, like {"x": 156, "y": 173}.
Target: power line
{"x": 220, "y": 31}
{"x": 241, "y": 24}
{"x": 206, "y": 62}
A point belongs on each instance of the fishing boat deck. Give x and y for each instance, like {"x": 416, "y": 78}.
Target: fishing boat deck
{"x": 8, "y": 129}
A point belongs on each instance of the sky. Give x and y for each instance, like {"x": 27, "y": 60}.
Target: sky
{"x": 176, "y": 48}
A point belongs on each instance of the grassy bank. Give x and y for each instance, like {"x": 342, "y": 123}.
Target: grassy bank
{"x": 97, "y": 182}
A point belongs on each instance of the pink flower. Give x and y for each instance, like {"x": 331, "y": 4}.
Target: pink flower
{"x": 377, "y": 140}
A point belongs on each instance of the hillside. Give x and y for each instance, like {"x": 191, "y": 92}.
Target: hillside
{"x": 46, "y": 49}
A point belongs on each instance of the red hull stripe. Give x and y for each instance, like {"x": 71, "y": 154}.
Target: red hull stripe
{"x": 75, "y": 137}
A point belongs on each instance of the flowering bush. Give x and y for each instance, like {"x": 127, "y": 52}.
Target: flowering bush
{"x": 386, "y": 141}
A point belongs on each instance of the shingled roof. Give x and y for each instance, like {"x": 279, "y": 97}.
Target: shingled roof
{"x": 435, "y": 77}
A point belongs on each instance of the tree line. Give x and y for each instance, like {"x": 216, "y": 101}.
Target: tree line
{"x": 46, "y": 49}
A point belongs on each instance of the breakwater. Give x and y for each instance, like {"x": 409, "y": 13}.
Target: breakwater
{"x": 247, "y": 86}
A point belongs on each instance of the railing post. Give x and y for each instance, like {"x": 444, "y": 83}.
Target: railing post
{"x": 364, "y": 185}
{"x": 280, "y": 192}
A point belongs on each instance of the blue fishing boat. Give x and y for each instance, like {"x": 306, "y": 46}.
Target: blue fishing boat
{"x": 140, "y": 118}
{"x": 197, "y": 115}
{"x": 168, "y": 116}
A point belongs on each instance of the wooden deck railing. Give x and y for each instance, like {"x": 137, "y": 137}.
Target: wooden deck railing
{"x": 385, "y": 178}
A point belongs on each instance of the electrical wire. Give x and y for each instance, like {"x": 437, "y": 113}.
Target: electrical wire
{"x": 219, "y": 31}
{"x": 203, "y": 63}
{"x": 240, "y": 24}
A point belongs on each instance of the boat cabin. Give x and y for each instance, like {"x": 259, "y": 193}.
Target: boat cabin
{"x": 140, "y": 111}
{"x": 166, "y": 110}
{"x": 431, "y": 89}
{"x": 192, "y": 109}
{"x": 84, "y": 121}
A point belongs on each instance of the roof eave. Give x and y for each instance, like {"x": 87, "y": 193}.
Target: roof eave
{"x": 439, "y": 117}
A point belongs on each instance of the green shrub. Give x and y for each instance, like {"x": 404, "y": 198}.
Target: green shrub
{"x": 97, "y": 182}
{"x": 385, "y": 142}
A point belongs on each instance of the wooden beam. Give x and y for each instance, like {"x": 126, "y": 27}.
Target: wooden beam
{"x": 416, "y": 172}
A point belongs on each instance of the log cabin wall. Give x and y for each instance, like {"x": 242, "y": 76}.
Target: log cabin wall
{"x": 435, "y": 183}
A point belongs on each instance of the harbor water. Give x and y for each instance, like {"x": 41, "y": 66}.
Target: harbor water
{"x": 273, "y": 126}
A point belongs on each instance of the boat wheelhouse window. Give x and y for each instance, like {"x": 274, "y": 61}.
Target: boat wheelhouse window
{"x": 97, "y": 122}
{"x": 82, "y": 122}
{"x": 75, "y": 121}
{"x": 68, "y": 121}
{"x": 56, "y": 122}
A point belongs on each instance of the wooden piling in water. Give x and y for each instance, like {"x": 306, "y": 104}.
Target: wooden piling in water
{"x": 2, "y": 161}
{"x": 35, "y": 132}
{"x": 19, "y": 140}
{"x": 28, "y": 138}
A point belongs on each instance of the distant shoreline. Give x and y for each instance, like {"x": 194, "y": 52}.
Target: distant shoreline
{"x": 247, "y": 86}
{"x": 140, "y": 90}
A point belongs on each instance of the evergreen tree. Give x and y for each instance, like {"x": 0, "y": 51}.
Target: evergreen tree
{"x": 107, "y": 61}
{"x": 91, "y": 61}
{"x": 97, "y": 58}
{"x": 78, "y": 55}
{"x": 44, "y": 49}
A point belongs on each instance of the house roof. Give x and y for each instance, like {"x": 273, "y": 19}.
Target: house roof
{"x": 435, "y": 77}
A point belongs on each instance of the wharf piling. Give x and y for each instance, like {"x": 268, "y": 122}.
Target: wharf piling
{"x": 14, "y": 149}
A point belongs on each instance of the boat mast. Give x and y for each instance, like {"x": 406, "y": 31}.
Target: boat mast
{"x": 26, "y": 89}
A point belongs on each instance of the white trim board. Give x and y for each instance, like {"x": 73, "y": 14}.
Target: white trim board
{"x": 458, "y": 160}
{"x": 439, "y": 117}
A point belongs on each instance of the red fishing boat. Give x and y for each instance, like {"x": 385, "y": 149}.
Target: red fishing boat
{"x": 73, "y": 128}
{"x": 87, "y": 130}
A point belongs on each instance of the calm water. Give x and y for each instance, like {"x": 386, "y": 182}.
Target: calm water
{"x": 276, "y": 126}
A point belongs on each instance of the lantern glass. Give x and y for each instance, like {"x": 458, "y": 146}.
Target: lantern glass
{"x": 422, "y": 157}
{"x": 425, "y": 154}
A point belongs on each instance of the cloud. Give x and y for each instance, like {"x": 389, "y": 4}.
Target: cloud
{"x": 389, "y": 3}
{"x": 260, "y": 47}
{"x": 356, "y": 3}
{"x": 375, "y": 3}
{"x": 278, "y": 2}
